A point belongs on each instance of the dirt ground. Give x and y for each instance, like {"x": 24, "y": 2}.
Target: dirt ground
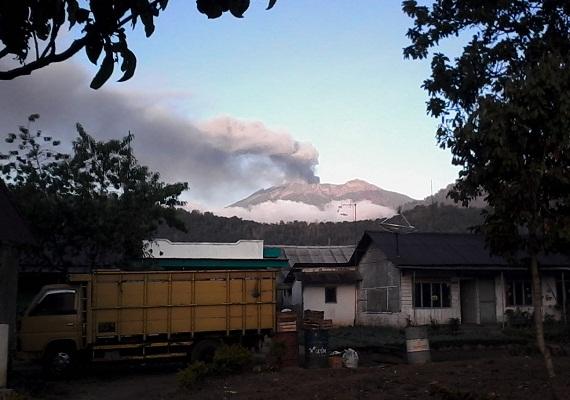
{"x": 493, "y": 375}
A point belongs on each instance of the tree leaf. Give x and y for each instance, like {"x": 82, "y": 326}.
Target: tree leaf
{"x": 94, "y": 47}
{"x": 238, "y": 7}
{"x": 72, "y": 7}
{"x": 129, "y": 65}
{"x": 104, "y": 72}
{"x": 148, "y": 22}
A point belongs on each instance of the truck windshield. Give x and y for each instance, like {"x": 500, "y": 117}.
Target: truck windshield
{"x": 61, "y": 302}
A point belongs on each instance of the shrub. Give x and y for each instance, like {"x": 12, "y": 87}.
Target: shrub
{"x": 277, "y": 352}
{"x": 230, "y": 359}
{"x": 453, "y": 326}
{"x": 192, "y": 375}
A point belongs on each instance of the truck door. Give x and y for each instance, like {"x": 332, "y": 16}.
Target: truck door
{"x": 53, "y": 317}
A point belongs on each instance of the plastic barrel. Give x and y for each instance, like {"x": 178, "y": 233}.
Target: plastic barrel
{"x": 417, "y": 345}
{"x": 316, "y": 348}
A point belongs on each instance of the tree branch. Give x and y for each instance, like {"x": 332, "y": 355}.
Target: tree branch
{"x": 27, "y": 69}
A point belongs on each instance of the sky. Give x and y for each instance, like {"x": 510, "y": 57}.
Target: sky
{"x": 312, "y": 89}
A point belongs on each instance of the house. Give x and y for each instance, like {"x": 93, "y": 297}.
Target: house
{"x": 423, "y": 278}
{"x": 243, "y": 254}
{"x": 321, "y": 278}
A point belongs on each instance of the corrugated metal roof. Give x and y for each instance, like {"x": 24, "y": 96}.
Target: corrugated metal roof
{"x": 442, "y": 249}
{"x": 320, "y": 255}
{"x": 328, "y": 277}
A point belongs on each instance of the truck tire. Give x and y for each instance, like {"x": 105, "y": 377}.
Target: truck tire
{"x": 59, "y": 361}
{"x": 204, "y": 351}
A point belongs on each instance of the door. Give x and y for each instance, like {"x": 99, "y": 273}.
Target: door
{"x": 468, "y": 290}
{"x": 487, "y": 305}
{"x": 53, "y": 317}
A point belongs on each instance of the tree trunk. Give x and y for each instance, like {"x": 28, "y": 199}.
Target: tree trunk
{"x": 538, "y": 317}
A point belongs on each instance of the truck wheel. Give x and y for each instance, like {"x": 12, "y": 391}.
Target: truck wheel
{"x": 204, "y": 351}
{"x": 59, "y": 361}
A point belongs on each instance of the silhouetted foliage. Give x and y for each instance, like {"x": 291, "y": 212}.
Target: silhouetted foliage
{"x": 504, "y": 105}
{"x": 207, "y": 227}
{"x": 93, "y": 206}
{"x": 97, "y": 25}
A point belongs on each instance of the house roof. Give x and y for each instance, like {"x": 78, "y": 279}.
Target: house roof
{"x": 13, "y": 229}
{"x": 328, "y": 277}
{"x": 442, "y": 250}
{"x": 317, "y": 255}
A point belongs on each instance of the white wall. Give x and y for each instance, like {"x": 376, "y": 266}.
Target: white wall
{"x": 342, "y": 312}
{"x": 297, "y": 294}
{"x": 241, "y": 250}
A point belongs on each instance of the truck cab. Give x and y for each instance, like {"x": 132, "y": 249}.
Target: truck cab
{"x": 51, "y": 328}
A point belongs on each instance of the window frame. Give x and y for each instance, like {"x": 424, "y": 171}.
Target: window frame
{"x": 34, "y": 313}
{"x": 516, "y": 285}
{"x": 389, "y": 289}
{"x": 327, "y": 299}
{"x": 444, "y": 303}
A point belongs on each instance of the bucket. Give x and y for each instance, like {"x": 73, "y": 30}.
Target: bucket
{"x": 417, "y": 345}
{"x": 350, "y": 358}
{"x": 316, "y": 348}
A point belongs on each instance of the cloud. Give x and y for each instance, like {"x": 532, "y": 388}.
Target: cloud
{"x": 286, "y": 210}
{"x": 219, "y": 157}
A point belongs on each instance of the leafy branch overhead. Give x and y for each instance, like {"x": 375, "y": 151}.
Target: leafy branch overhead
{"x": 30, "y": 32}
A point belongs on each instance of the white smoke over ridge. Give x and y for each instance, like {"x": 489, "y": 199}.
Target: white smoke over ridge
{"x": 216, "y": 157}
{"x": 287, "y": 211}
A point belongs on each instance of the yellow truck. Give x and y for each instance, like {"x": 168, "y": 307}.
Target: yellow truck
{"x": 112, "y": 315}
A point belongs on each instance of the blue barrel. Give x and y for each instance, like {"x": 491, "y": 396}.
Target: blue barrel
{"x": 316, "y": 348}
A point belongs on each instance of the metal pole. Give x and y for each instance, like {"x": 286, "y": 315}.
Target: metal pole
{"x": 565, "y": 315}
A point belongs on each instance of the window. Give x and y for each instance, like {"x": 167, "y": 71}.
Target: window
{"x": 518, "y": 293}
{"x": 432, "y": 295}
{"x": 383, "y": 299}
{"x": 56, "y": 303}
{"x": 330, "y": 294}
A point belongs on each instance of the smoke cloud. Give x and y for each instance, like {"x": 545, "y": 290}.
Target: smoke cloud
{"x": 223, "y": 159}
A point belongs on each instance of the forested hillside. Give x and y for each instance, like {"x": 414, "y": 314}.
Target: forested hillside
{"x": 207, "y": 227}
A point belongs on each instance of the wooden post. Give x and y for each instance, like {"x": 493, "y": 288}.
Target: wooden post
{"x": 503, "y": 297}
{"x": 414, "y": 294}
{"x": 564, "y": 311}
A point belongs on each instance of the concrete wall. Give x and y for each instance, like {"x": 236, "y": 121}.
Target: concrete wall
{"x": 8, "y": 289}
{"x": 342, "y": 312}
{"x": 241, "y": 250}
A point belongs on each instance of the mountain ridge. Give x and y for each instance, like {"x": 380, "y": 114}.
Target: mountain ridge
{"x": 321, "y": 194}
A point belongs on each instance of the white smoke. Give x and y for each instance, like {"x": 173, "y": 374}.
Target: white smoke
{"x": 218, "y": 157}
{"x": 287, "y": 211}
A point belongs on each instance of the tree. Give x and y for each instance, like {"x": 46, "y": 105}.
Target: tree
{"x": 92, "y": 207}
{"x": 97, "y": 25}
{"x": 504, "y": 103}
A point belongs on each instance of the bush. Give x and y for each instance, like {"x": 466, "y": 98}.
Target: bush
{"x": 277, "y": 352}
{"x": 231, "y": 359}
{"x": 192, "y": 375}
{"x": 453, "y": 326}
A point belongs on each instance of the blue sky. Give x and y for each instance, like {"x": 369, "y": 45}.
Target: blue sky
{"x": 329, "y": 72}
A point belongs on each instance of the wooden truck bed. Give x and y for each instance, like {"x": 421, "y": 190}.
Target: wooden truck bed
{"x": 172, "y": 305}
